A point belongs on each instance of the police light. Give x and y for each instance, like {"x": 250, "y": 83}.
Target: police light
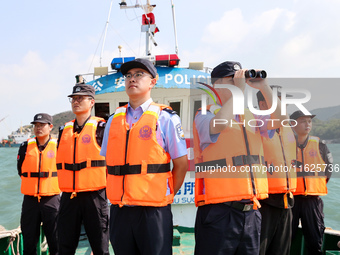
{"x": 116, "y": 63}
{"x": 169, "y": 60}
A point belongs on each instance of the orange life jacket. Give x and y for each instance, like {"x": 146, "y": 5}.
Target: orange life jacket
{"x": 311, "y": 178}
{"x": 39, "y": 172}
{"x": 279, "y": 154}
{"x": 239, "y": 149}
{"x": 80, "y": 167}
{"x": 138, "y": 167}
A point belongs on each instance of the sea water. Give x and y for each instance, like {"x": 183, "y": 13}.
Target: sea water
{"x": 11, "y": 197}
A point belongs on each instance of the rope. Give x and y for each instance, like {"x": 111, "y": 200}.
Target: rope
{"x": 13, "y": 235}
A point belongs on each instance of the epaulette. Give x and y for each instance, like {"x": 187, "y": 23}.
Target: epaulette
{"x": 169, "y": 111}
{"x": 23, "y": 144}
{"x": 102, "y": 124}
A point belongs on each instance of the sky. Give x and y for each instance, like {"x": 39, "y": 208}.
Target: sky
{"x": 44, "y": 44}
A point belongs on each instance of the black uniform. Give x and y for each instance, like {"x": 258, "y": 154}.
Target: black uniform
{"x": 34, "y": 212}
{"x": 310, "y": 210}
{"x": 276, "y": 228}
{"x": 232, "y": 228}
{"x": 89, "y": 208}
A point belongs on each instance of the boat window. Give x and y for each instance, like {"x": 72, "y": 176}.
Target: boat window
{"x": 197, "y": 105}
{"x": 176, "y": 106}
{"x": 102, "y": 110}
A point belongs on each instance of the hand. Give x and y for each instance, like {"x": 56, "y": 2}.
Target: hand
{"x": 240, "y": 79}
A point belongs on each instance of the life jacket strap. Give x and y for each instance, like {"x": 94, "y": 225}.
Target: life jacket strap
{"x": 82, "y": 165}
{"x": 41, "y": 174}
{"x": 243, "y": 160}
{"x": 237, "y": 161}
{"x": 137, "y": 169}
{"x": 314, "y": 173}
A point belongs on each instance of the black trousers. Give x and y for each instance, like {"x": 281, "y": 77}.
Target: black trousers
{"x": 276, "y": 230}
{"x": 91, "y": 209}
{"x": 141, "y": 230}
{"x": 221, "y": 229}
{"x": 32, "y": 214}
{"x": 310, "y": 210}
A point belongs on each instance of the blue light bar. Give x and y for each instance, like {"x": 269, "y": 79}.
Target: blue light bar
{"x": 117, "y": 62}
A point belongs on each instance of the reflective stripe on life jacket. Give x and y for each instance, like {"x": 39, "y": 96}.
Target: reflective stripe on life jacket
{"x": 80, "y": 167}
{"x": 239, "y": 152}
{"x": 138, "y": 167}
{"x": 279, "y": 154}
{"x": 311, "y": 178}
{"x": 39, "y": 173}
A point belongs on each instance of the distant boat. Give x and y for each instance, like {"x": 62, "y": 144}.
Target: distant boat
{"x": 173, "y": 88}
{"x": 15, "y": 139}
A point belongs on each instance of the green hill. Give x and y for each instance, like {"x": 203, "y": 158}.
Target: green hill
{"x": 60, "y": 119}
{"x": 327, "y": 113}
{"x": 326, "y": 124}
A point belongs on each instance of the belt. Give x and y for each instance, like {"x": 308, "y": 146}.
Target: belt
{"x": 240, "y": 206}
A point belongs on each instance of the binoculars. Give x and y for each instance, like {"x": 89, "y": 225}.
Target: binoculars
{"x": 251, "y": 73}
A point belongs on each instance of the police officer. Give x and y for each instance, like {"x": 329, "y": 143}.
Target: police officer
{"x": 279, "y": 154}
{"x": 82, "y": 176}
{"x": 227, "y": 220}
{"x": 314, "y": 164}
{"x": 140, "y": 140}
{"x": 39, "y": 184}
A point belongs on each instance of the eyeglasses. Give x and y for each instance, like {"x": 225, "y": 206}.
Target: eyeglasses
{"x": 137, "y": 75}
{"x": 79, "y": 99}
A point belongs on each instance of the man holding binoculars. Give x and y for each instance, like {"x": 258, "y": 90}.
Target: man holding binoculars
{"x": 227, "y": 218}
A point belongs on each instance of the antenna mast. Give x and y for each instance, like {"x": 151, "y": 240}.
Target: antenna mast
{"x": 148, "y": 27}
{"x": 106, "y": 26}
{"x": 174, "y": 21}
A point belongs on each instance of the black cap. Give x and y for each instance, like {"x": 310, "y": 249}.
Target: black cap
{"x": 139, "y": 63}
{"x": 82, "y": 89}
{"x": 224, "y": 69}
{"x": 260, "y": 96}
{"x": 42, "y": 118}
{"x": 298, "y": 114}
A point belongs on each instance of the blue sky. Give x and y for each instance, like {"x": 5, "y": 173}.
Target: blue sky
{"x": 44, "y": 44}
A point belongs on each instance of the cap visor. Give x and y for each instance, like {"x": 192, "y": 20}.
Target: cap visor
{"x": 132, "y": 64}
{"x": 43, "y": 121}
{"x": 80, "y": 94}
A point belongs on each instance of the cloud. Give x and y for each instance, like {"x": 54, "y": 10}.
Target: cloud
{"x": 234, "y": 28}
{"x": 230, "y": 29}
{"x": 35, "y": 84}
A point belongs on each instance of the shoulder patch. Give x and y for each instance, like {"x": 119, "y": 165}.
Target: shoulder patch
{"x": 61, "y": 127}
{"x": 169, "y": 111}
{"x": 179, "y": 131}
{"x": 330, "y": 158}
